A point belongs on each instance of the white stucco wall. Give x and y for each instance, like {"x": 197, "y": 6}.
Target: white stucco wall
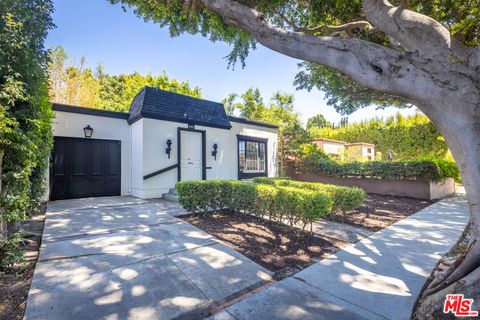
{"x": 156, "y": 133}
{"x": 334, "y": 148}
{"x": 366, "y": 153}
{"x": 67, "y": 124}
{"x": 256, "y": 131}
{"x": 143, "y": 147}
{"x": 225, "y": 167}
{"x": 136, "y": 169}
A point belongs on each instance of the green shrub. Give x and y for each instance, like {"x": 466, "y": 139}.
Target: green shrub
{"x": 347, "y": 198}
{"x": 287, "y": 205}
{"x": 432, "y": 169}
{"x": 243, "y": 196}
{"x": 303, "y": 205}
{"x": 309, "y": 153}
{"x": 313, "y": 151}
{"x": 199, "y": 196}
{"x": 276, "y": 202}
{"x": 271, "y": 181}
{"x": 446, "y": 168}
{"x": 266, "y": 198}
{"x": 203, "y": 195}
{"x": 224, "y": 200}
{"x": 344, "y": 198}
{"x": 11, "y": 253}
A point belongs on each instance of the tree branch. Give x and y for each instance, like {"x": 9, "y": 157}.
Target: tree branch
{"x": 414, "y": 31}
{"x": 375, "y": 66}
{"x": 334, "y": 30}
{"x": 352, "y": 26}
{"x": 368, "y": 94}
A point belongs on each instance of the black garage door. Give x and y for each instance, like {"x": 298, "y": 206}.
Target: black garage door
{"x": 85, "y": 168}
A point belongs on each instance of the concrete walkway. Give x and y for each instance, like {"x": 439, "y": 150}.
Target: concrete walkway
{"x": 379, "y": 277}
{"x": 125, "y": 258}
{"x": 339, "y": 231}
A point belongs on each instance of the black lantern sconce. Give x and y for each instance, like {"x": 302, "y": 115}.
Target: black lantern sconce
{"x": 88, "y": 131}
{"x": 215, "y": 151}
{"x": 169, "y": 147}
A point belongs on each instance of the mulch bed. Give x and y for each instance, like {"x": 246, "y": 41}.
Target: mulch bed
{"x": 380, "y": 211}
{"x": 285, "y": 250}
{"x": 273, "y": 245}
{"x": 14, "y": 286}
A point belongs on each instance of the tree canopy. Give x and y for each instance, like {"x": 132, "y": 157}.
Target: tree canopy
{"x": 75, "y": 84}
{"x": 279, "y": 111}
{"x": 344, "y": 19}
{"x": 317, "y": 121}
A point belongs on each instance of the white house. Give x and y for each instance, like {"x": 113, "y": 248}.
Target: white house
{"x": 166, "y": 137}
{"x": 331, "y": 147}
{"x": 358, "y": 151}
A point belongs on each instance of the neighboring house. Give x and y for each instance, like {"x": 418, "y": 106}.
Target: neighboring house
{"x": 333, "y": 148}
{"x": 166, "y": 137}
{"x": 358, "y": 151}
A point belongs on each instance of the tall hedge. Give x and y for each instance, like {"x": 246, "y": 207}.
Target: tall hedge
{"x": 409, "y": 138}
{"x": 25, "y": 113}
{"x": 433, "y": 169}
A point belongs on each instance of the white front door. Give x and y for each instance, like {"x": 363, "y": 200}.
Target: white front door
{"x": 190, "y": 155}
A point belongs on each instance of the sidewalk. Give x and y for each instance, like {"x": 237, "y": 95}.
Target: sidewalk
{"x": 379, "y": 277}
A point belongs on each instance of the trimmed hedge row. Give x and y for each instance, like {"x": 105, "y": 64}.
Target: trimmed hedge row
{"x": 344, "y": 198}
{"x": 279, "y": 203}
{"x": 435, "y": 170}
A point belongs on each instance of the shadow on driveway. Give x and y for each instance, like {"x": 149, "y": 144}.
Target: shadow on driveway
{"x": 124, "y": 258}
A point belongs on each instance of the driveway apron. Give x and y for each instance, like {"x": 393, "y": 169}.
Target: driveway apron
{"x": 126, "y": 258}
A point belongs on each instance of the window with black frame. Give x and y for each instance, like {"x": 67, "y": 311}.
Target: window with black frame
{"x": 252, "y": 157}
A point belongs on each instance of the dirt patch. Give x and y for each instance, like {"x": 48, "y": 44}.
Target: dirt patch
{"x": 285, "y": 250}
{"x": 380, "y": 211}
{"x": 14, "y": 286}
{"x": 275, "y": 246}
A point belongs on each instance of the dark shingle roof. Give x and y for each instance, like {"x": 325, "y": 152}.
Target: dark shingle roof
{"x": 252, "y": 122}
{"x": 155, "y": 103}
{"x": 89, "y": 111}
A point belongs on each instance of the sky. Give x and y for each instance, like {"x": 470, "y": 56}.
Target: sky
{"x": 124, "y": 43}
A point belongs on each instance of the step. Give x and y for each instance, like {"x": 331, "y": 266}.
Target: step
{"x": 173, "y": 191}
{"x": 170, "y": 197}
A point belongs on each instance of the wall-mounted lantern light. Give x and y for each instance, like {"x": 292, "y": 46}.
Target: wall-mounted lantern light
{"x": 88, "y": 131}
{"x": 169, "y": 147}
{"x": 215, "y": 151}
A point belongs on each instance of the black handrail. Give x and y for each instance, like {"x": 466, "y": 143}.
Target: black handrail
{"x": 153, "y": 174}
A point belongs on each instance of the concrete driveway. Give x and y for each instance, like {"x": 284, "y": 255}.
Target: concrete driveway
{"x": 126, "y": 258}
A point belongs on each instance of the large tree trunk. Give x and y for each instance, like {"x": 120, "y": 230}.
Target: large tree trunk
{"x": 461, "y": 130}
